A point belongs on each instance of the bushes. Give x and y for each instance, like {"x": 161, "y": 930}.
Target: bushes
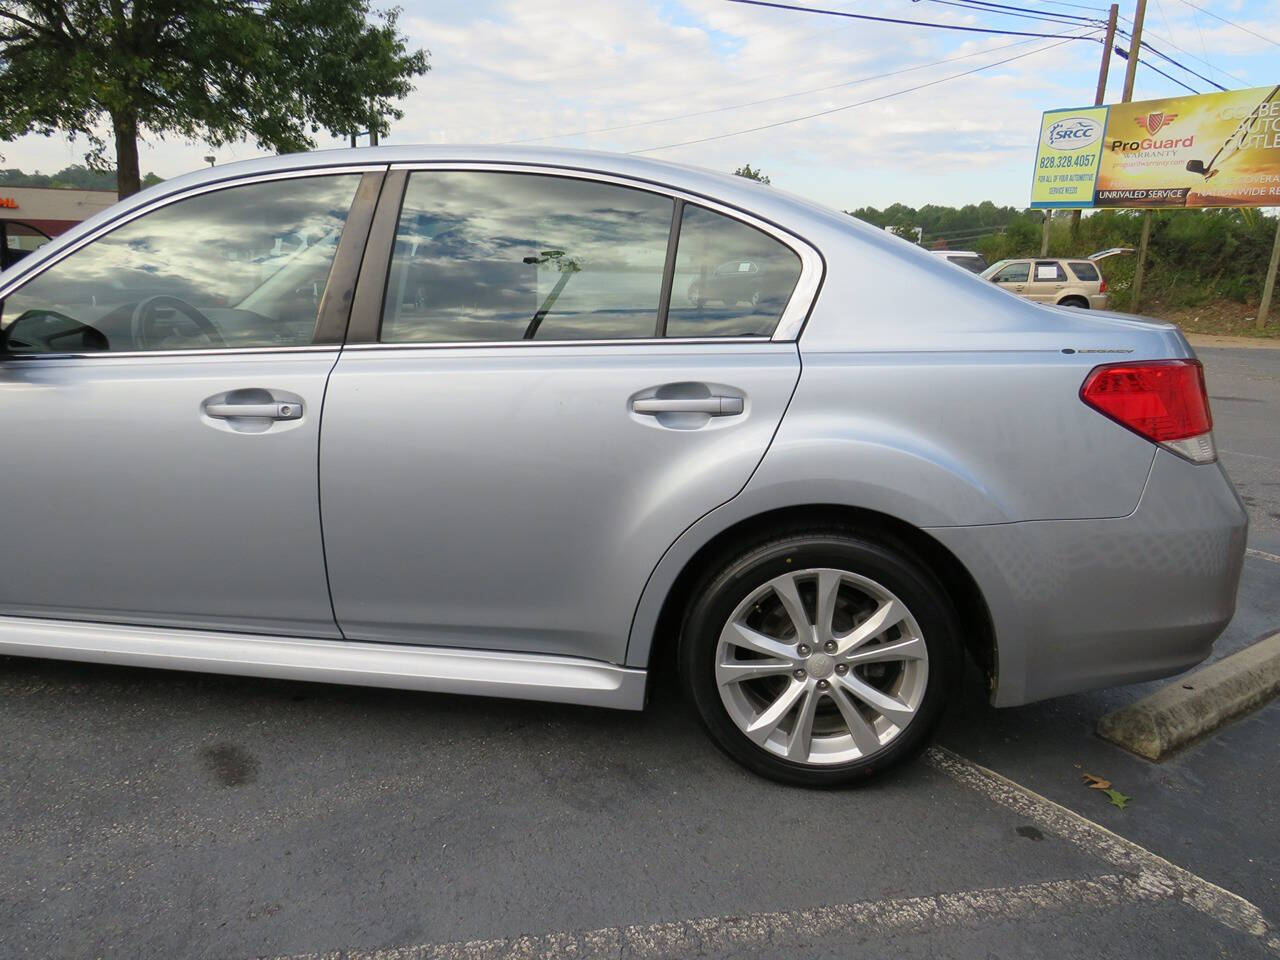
{"x": 1195, "y": 256}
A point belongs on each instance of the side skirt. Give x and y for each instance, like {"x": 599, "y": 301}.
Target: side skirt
{"x": 399, "y": 666}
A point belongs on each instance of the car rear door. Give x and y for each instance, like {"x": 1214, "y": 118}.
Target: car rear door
{"x": 525, "y": 416}
{"x": 1048, "y": 280}
{"x": 160, "y": 410}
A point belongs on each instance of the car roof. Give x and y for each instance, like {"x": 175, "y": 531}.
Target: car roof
{"x": 956, "y": 253}
{"x": 785, "y": 210}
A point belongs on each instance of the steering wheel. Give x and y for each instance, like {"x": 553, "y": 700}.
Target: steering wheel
{"x": 145, "y": 314}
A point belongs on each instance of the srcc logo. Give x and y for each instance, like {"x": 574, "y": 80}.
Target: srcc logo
{"x": 1073, "y": 133}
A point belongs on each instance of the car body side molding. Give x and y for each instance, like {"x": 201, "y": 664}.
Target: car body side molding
{"x": 398, "y": 666}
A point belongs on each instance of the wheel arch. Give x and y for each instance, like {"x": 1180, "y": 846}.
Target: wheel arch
{"x": 656, "y": 647}
{"x": 1074, "y": 300}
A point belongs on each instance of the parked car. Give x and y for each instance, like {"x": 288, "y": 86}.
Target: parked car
{"x": 1067, "y": 283}
{"x": 971, "y": 260}
{"x": 17, "y": 240}
{"x": 543, "y": 475}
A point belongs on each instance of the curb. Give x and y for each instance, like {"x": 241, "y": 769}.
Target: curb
{"x": 1223, "y": 340}
{"x": 1176, "y": 715}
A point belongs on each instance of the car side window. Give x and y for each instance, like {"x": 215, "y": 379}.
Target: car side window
{"x": 1013, "y": 273}
{"x": 1085, "y": 272}
{"x": 730, "y": 278}
{"x": 1049, "y": 271}
{"x": 489, "y": 256}
{"x": 243, "y": 266}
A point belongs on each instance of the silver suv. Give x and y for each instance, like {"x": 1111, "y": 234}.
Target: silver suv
{"x": 504, "y": 423}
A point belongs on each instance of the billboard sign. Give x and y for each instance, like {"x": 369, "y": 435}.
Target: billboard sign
{"x": 1207, "y": 150}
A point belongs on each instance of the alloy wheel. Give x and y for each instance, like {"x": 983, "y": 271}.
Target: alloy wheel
{"x": 821, "y": 666}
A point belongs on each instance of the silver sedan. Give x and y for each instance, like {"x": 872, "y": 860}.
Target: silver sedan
{"x": 527, "y": 423}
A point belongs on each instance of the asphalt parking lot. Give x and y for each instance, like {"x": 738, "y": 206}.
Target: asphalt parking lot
{"x": 181, "y": 815}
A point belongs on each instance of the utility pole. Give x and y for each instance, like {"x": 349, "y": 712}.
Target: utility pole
{"x": 1269, "y": 285}
{"x": 1100, "y": 97}
{"x": 1107, "y": 43}
{"x": 1130, "y": 71}
{"x": 1044, "y": 237}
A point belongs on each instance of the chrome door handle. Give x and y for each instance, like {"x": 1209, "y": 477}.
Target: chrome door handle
{"x": 715, "y": 406}
{"x": 267, "y": 411}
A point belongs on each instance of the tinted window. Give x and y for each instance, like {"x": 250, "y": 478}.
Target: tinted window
{"x": 970, "y": 262}
{"x": 730, "y": 279}
{"x": 511, "y": 256}
{"x": 240, "y": 267}
{"x": 1085, "y": 271}
{"x": 1048, "y": 271}
{"x": 1013, "y": 273}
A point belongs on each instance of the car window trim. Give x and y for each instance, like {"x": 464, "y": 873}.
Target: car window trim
{"x": 366, "y": 319}
{"x": 339, "y": 289}
{"x": 36, "y": 270}
{"x": 669, "y": 269}
{"x": 365, "y": 325}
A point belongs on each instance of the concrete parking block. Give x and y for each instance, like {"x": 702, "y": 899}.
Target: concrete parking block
{"x": 1197, "y": 703}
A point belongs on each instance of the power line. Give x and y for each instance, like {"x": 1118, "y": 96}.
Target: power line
{"x": 863, "y": 103}
{"x": 1001, "y": 10}
{"x": 1151, "y": 66}
{"x": 1232, "y": 23}
{"x": 780, "y": 44}
{"x": 1075, "y": 6}
{"x": 755, "y": 103}
{"x": 910, "y": 23}
{"x": 1184, "y": 50}
{"x": 1166, "y": 57}
{"x": 1195, "y": 18}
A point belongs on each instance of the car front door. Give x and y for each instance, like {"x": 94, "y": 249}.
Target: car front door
{"x": 160, "y": 395}
{"x": 1013, "y": 276}
{"x": 538, "y": 416}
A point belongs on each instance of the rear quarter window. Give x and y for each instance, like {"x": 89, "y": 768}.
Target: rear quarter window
{"x": 1085, "y": 271}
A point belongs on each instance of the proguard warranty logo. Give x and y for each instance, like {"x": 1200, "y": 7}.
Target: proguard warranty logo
{"x": 1073, "y": 133}
{"x": 1153, "y": 123}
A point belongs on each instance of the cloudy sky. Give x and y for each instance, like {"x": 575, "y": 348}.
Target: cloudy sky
{"x": 647, "y": 75}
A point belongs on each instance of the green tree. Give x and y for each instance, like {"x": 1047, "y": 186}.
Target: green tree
{"x": 274, "y": 71}
{"x": 747, "y": 171}
{"x": 75, "y": 177}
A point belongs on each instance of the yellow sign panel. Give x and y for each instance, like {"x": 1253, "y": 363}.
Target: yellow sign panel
{"x": 1067, "y": 158}
{"x": 1207, "y": 150}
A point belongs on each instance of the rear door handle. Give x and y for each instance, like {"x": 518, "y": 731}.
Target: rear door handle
{"x": 268, "y": 411}
{"x": 715, "y": 406}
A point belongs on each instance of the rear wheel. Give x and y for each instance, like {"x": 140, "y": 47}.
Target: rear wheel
{"x": 1080, "y": 302}
{"x": 820, "y": 658}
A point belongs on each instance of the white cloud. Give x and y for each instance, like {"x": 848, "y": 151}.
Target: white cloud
{"x": 509, "y": 70}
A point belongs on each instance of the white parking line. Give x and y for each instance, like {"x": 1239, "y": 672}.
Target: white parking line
{"x": 1144, "y": 878}
{"x": 1251, "y": 456}
{"x": 1222, "y": 905}
{"x": 1261, "y": 555}
{"x": 784, "y": 930}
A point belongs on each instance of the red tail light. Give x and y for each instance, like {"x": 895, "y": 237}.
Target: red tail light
{"x": 1102, "y": 283}
{"x": 1162, "y": 400}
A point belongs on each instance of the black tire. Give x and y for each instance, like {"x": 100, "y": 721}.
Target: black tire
{"x": 1079, "y": 303}
{"x": 890, "y": 564}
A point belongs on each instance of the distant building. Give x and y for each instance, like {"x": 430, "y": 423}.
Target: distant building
{"x": 52, "y": 211}
{"x": 31, "y": 216}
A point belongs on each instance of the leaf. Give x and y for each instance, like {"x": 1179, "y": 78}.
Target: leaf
{"x": 1118, "y": 798}
{"x": 1095, "y": 783}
